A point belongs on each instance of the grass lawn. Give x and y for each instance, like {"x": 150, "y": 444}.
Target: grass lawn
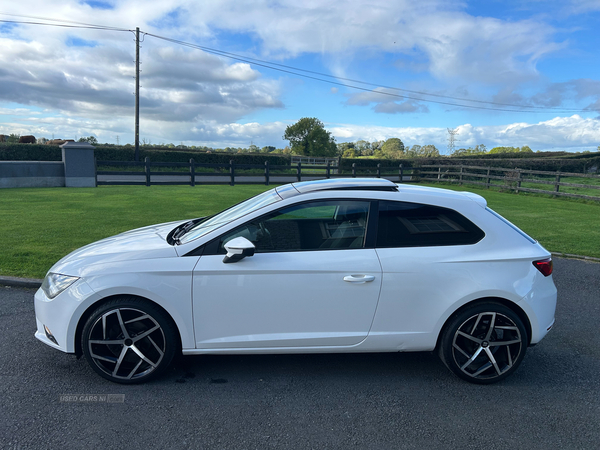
{"x": 40, "y": 226}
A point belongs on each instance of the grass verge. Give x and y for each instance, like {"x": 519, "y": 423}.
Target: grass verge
{"x": 40, "y": 226}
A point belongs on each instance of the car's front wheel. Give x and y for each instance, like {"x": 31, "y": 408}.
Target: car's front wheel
{"x": 129, "y": 340}
{"x": 484, "y": 343}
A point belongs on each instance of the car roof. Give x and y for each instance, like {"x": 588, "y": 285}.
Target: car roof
{"x": 372, "y": 184}
{"x": 355, "y": 184}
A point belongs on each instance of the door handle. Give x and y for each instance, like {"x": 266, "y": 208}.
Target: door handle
{"x": 359, "y": 279}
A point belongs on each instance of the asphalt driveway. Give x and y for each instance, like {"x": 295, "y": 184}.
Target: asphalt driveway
{"x": 383, "y": 401}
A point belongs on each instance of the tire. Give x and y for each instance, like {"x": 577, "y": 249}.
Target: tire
{"x": 484, "y": 343}
{"x": 129, "y": 340}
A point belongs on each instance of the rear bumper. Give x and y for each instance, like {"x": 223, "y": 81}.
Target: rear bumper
{"x": 540, "y": 306}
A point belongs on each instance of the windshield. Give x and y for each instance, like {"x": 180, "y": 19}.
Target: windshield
{"x": 233, "y": 213}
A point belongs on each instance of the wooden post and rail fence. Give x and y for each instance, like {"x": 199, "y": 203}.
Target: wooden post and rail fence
{"x": 560, "y": 184}
{"x": 192, "y": 173}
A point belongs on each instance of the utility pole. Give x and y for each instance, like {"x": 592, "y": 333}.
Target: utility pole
{"x": 137, "y": 93}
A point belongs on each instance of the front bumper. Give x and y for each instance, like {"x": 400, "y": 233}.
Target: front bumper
{"x": 60, "y": 315}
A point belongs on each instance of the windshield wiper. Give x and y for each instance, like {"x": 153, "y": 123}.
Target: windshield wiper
{"x": 178, "y": 232}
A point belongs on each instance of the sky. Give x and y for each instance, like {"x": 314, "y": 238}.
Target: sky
{"x": 500, "y": 73}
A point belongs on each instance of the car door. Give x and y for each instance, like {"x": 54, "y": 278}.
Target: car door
{"x": 310, "y": 283}
{"x": 427, "y": 259}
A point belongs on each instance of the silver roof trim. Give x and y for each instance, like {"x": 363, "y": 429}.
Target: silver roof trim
{"x": 304, "y": 187}
{"x": 286, "y": 191}
{"x": 345, "y": 184}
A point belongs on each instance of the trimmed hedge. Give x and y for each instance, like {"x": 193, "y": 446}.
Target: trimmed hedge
{"x": 30, "y": 152}
{"x": 40, "y": 152}
{"x": 566, "y": 162}
{"x": 551, "y": 155}
{"x": 574, "y": 165}
{"x": 519, "y": 155}
{"x": 128, "y": 154}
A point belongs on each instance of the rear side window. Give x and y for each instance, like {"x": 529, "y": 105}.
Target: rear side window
{"x": 403, "y": 224}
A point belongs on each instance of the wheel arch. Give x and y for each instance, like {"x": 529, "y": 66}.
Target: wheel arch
{"x": 91, "y": 308}
{"x": 502, "y": 301}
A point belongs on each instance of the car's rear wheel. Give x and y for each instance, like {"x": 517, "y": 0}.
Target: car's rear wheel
{"x": 129, "y": 340}
{"x": 484, "y": 343}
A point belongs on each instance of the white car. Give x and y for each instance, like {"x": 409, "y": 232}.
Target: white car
{"x": 347, "y": 265}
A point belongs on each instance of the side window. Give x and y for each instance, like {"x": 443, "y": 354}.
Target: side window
{"x": 319, "y": 225}
{"x": 403, "y": 224}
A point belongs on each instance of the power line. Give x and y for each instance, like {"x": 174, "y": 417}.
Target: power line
{"x": 61, "y": 23}
{"x": 295, "y": 71}
{"x": 249, "y": 59}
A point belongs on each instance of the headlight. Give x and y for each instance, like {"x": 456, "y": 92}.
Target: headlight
{"x": 55, "y": 283}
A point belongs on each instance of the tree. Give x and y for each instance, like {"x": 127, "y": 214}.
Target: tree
{"x": 309, "y": 137}
{"x": 478, "y": 150}
{"x": 414, "y": 151}
{"x": 509, "y": 150}
{"x": 350, "y": 153}
{"x": 376, "y": 145}
{"x": 425, "y": 151}
{"x": 90, "y": 139}
{"x": 363, "y": 148}
{"x": 393, "y": 148}
{"x": 429, "y": 151}
{"x": 343, "y": 147}
{"x": 481, "y": 148}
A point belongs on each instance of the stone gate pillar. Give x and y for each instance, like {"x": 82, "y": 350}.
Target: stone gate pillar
{"x": 80, "y": 168}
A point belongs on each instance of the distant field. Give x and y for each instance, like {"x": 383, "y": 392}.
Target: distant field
{"x": 40, "y": 226}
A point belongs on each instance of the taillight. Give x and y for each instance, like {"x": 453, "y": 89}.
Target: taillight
{"x": 544, "y": 266}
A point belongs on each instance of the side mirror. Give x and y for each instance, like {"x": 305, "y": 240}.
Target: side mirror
{"x": 238, "y": 249}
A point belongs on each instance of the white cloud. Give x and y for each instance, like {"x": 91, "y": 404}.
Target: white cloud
{"x": 18, "y": 112}
{"x": 453, "y": 43}
{"x": 573, "y": 133}
{"x": 97, "y": 82}
{"x": 584, "y": 6}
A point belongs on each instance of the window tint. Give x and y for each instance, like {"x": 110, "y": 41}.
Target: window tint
{"x": 319, "y": 225}
{"x": 404, "y": 224}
